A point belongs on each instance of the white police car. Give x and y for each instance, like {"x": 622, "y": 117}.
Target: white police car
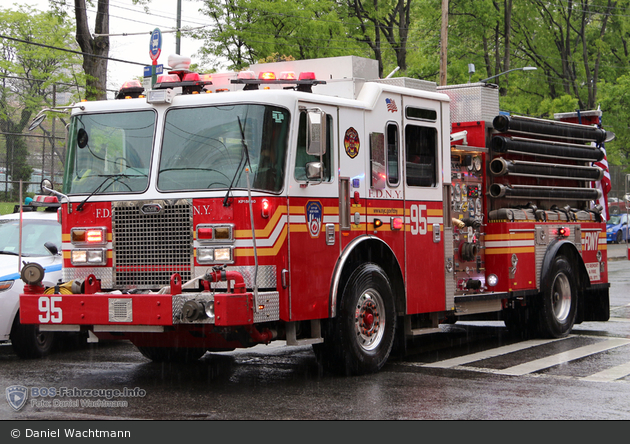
{"x": 41, "y": 243}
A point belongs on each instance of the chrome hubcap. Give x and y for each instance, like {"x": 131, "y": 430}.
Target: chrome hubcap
{"x": 369, "y": 320}
{"x": 561, "y": 297}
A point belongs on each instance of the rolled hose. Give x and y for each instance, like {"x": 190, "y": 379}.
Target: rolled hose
{"x": 537, "y": 192}
{"x": 502, "y": 144}
{"x": 63, "y": 289}
{"x": 562, "y": 130}
{"x": 502, "y": 167}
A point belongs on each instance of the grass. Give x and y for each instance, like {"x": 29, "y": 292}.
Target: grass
{"x": 7, "y": 207}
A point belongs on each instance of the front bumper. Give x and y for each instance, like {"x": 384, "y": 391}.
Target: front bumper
{"x": 146, "y": 312}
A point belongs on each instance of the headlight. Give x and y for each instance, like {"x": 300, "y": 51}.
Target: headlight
{"x": 6, "y": 285}
{"x": 223, "y": 255}
{"x": 215, "y": 255}
{"x": 88, "y": 257}
{"x": 609, "y": 230}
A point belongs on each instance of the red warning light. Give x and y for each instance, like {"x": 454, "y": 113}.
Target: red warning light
{"x": 307, "y": 76}
{"x": 564, "y": 231}
{"x": 191, "y": 77}
{"x": 397, "y": 223}
{"x": 266, "y": 207}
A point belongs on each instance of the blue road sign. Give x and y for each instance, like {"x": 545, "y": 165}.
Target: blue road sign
{"x": 155, "y": 46}
{"x": 159, "y": 69}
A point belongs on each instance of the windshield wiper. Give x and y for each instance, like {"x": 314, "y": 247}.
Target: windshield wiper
{"x": 244, "y": 157}
{"x": 9, "y": 252}
{"x": 115, "y": 177}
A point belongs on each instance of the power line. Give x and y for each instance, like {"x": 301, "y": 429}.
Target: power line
{"x": 69, "y": 50}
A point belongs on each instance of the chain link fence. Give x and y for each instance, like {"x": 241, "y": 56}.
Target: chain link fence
{"x": 46, "y": 155}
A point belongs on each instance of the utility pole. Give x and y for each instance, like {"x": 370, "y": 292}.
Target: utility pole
{"x": 178, "y": 34}
{"x": 444, "y": 42}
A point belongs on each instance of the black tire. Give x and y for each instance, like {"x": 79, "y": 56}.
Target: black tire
{"x": 363, "y": 331}
{"x": 557, "y": 308}
{"x": 30, "y": 343}
{"x": 619, "y": 237}
{"x": 172, "y": 354}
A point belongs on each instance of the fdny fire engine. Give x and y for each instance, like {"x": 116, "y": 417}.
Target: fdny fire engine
{"x": 313, "y": 203}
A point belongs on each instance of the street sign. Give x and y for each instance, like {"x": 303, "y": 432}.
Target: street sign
{"x": 155, "y": 46}
{"x": 159, "y": 69}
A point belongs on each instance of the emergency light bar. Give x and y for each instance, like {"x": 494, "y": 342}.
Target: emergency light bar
{"x": 190, "y": 82}
{"x": 131, "y": 89}
{"x": 304, "y": 83}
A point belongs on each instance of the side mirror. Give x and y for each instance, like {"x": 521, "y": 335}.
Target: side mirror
{"x": 52, "y": 248}
{"x": 37, "y": 121}
{"x": 82, "y": 138}
{"x": 316, "y": 132}
{"x": 315, "y": 171}
{"x": 46, "y": 186}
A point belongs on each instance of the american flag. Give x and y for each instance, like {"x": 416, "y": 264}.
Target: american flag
{"x": 605, "y": 184}
{"x": 391, "y": 105}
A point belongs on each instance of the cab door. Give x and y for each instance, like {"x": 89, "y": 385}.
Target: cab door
{"x": 313, "y": 208}
{"x": 385, "y": 203}
{"x": 424, "y": 212}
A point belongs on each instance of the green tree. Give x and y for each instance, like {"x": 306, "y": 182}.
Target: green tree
{"x": 28, "y": 69}
{"x": 245, "y": 31}
{"x": 567, "y": 40}
{"x": 615, "y": 104}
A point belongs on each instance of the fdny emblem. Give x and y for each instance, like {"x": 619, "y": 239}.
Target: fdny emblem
{"x": 16, "y": 396}
{"x": 314, "y": 218}
{"x": 351, "y": 142}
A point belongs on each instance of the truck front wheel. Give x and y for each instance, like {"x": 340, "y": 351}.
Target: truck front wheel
{"x": 365, "y": 326}
{"x": 558, "y": 307}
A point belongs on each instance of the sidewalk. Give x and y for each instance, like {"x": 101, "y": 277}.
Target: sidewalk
{"x": 617, "y": 252}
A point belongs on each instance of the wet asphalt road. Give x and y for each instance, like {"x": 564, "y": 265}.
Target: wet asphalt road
{"x": 469, "y": 371}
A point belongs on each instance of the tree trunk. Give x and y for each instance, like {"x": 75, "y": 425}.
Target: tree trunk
{"x": 95, "y": 50}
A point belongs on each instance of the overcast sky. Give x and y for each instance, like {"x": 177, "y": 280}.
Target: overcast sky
{"x": 130, "y": 19}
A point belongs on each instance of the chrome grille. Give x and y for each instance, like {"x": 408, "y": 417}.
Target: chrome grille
{"x": 150, "y": 246}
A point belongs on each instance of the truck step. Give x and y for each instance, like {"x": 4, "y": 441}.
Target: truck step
{"x": 316, "y": 334}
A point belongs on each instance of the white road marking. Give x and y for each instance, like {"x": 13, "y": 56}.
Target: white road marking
{"x": 608, "y": 375}
{"x": 560, "y": 358}
{"x": 454, "y": 362}
{"x": 611, "y": 374}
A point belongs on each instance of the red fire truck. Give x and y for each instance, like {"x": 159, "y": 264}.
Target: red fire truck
{"x": 313, "y": 203}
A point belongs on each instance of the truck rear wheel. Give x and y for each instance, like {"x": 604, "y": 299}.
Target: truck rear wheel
{"x": 364, "y": 330}
{"x": 172, "y": 354}
{"x": 558, "y": 307}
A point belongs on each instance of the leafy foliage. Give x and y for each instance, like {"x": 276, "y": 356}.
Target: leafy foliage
{"x": 28, "y": 70}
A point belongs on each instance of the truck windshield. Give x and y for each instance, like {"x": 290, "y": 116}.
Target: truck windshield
{"x": 114, "y": 145}
{"x": 209, "y": 147}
